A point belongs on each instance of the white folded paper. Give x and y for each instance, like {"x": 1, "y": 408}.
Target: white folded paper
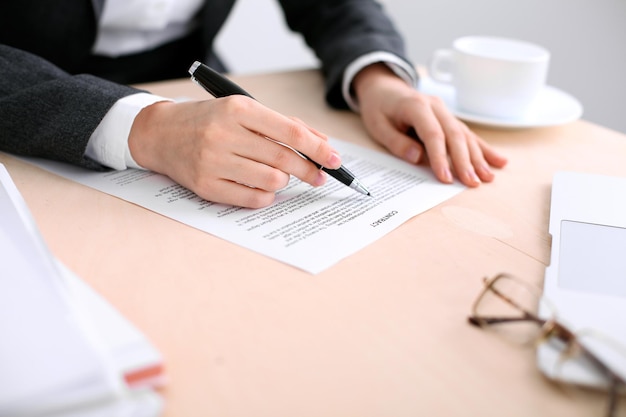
{"x": 64, "y": 350}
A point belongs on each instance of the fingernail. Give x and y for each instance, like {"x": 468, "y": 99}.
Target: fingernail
{"x": 447, "y": 175}
{"x": 485, "y": 171}
{"x": 473, "y": 177}
{"x": 320, "y": 179}
{"x": 413, "y": 155}
{"x": 334, "y": 161}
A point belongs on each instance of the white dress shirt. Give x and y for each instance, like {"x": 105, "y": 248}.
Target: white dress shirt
{"x": 130, "y": 26}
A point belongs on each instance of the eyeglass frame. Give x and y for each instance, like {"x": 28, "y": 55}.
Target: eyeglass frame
{"x": 549, "y": 328}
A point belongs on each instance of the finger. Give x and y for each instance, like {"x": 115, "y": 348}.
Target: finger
{"x": 403, "y": 143}
{"x": 431, "y": 133}
{"x": 481, "y": 166}
{"x": 312, "y": 129}
{"x": 274, "y": 125}
{"x": 233, "y": 193}
{"x": 460, "y": 143}
{"x": 276, "y": 156}
{"x": 492, "y": 157}
{"x": 482, "y": 156}
{"x": 254, "y": 174}
{"x": 240, "y": 154}
{"x": 477, "y": 148}
{"x": 234, "y": 180}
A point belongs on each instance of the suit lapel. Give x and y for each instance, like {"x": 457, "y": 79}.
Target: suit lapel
{"x": 97, "y": 8}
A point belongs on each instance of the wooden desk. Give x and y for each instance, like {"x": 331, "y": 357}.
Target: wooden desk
{"x": 383, "y": 333}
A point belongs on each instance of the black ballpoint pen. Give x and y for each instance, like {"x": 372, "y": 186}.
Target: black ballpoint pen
{"x": 219, "y": 86}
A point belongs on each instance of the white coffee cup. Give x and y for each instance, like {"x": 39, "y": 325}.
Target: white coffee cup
{"x": 492, "y": 76}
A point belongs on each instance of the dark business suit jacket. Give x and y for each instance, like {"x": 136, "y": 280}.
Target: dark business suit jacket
{"x": 54, "y": 92}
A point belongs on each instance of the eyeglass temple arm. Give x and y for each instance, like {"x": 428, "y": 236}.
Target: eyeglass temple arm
{"x": 481, "y": 321}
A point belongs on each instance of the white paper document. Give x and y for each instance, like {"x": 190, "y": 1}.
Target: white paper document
{"x": 309, "y": 228}
{"x": 64, "y": 350}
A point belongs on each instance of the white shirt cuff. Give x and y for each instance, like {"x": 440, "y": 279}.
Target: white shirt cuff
{"x": 397, "y": 65}
{"x": 108, "y": 144}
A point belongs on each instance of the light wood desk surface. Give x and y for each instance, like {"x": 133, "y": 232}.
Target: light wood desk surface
{"x": 382, "y": 333}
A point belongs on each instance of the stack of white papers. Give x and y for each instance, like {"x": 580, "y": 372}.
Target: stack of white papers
{"x": 64, "y": 350}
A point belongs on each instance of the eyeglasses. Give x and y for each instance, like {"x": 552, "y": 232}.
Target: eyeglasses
{"x": 506, "y": 299}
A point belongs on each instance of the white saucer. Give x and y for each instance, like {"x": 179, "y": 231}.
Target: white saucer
{"x": 552, "y": 107}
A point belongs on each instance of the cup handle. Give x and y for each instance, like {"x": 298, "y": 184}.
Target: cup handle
{"x": 441, "y": 58}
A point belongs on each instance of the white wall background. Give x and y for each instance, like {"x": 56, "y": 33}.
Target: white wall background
{"x": 587, "y": 39}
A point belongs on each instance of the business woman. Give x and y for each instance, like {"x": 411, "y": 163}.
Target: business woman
{"x": 65, "y": 66}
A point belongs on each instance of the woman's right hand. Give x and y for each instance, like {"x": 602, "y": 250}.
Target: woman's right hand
{"x": 218, "y": 148}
